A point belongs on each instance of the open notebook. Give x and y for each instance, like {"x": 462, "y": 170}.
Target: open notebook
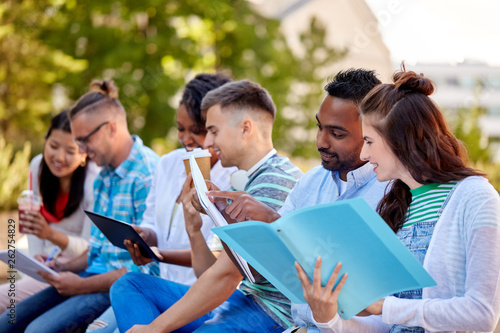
{"x": 347, "y": 231}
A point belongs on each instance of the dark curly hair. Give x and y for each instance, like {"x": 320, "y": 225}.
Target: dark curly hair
{"x": 194, "y": 92}
{"x": 352, "y": 84}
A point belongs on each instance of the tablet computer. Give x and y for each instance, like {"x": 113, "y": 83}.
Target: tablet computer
{"x": 117, "y": 231}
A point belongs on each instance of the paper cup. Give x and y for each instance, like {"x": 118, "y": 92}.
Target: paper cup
{"x": 202, "y": 157}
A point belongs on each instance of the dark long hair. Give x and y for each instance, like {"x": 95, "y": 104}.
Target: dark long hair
{"x": 416, "y": 131}
{"x": 49, "y": 184}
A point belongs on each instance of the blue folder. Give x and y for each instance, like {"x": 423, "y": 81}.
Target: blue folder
{"x": 347, "y": 231}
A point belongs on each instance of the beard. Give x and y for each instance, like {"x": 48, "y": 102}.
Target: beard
{"x": 345, "y": 163}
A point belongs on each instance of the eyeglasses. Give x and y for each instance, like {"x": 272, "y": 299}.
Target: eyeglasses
{"x": 82, "y": 142}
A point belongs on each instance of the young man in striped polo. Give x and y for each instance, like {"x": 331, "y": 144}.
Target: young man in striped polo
{"x": 240, "y": 117}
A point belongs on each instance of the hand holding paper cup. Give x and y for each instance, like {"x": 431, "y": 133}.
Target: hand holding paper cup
{"x": 202, "y": 157}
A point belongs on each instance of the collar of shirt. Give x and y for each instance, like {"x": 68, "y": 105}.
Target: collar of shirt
{"x": 357, "y": 177}
{"x": 124, "y": 167}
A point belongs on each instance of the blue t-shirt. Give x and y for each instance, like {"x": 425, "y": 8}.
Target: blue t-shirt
{"x": 319, "y": 186}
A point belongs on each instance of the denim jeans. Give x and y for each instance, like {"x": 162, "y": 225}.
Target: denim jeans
{"x": 416, "y": 238}
{"x": 139, "y": 298}
{"x": 106, "y": 323}
{"x": 48, "y": 311}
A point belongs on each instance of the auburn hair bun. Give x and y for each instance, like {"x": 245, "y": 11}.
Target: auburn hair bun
{"x": 412, "y": 82}
{"x": 104, "y": 87}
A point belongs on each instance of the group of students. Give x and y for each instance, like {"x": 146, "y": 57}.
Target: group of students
{"x": 387, "y": 143}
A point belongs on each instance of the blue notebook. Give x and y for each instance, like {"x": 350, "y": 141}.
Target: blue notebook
{"x": 347, "y": 231}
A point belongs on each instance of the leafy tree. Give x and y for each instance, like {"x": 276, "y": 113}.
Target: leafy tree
{"x": 468, "y": 131}
{"x": 12, "y": 181}
{"x": 52, "y": 49}
{"x": 296, "y": 131}
{"x": 29, "y": 70}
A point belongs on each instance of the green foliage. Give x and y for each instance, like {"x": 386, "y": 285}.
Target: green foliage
{"x": 50, "y": 50}
{"x": 29, "y": 68}
{"x": 468, "y": 131}
{"x": 492, "y": 171}
{"x": 150, "y": 49}
{"x": 295, "y": 129}
{"x": 14, "y": 170}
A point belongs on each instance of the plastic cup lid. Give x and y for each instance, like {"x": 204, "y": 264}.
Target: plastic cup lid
{"x": 28, "y": 195}
{"x": 197, "y": 153}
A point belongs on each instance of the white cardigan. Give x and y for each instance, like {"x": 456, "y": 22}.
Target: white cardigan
{"x": 464, "y": 259}
{"x": 77, "y": 225}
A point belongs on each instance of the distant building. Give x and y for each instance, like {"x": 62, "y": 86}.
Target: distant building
{"x": 466, "y": 85}
{"x": 349, "y": 24}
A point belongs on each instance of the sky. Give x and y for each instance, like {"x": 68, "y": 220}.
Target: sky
{"x": 442, "y": 31}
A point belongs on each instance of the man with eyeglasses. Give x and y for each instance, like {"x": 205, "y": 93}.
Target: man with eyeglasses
{"x": 99, "y": 127}
{"x": 83, "y": 141}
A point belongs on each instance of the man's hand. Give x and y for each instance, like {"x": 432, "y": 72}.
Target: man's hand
{"x": 192, "y": 217}
{"x": 66, "y": 283}
{"x": 244, "y": 207}
{"x": 34, "y": 223}
{"x": 220, "y": 204}
{"x": 147, "y": 234}
{"x": 150, "y": 237}
{"x": 136, "y": 254}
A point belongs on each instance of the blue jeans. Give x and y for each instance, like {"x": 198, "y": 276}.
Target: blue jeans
{"x": 106, "y": 323}
{"x": 139, "y": 299}
{"x": 48, "y": 311}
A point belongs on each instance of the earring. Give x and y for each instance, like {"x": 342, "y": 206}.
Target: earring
{"x": 84, "y": 162}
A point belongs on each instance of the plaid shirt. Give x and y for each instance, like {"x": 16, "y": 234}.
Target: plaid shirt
{"x": 121, "y": 194}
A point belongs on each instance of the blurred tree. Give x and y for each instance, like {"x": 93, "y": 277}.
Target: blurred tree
{"x": 52, "y": 49}
{"x": 467, "y": 128}
{"x": 29, "y": 70}
{"x": 468, "y": 131}
{"x": 12, "y": 181}
{"x": 296, "y": 130}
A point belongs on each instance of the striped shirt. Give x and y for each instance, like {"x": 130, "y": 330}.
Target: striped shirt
{"x": 426, "y": 203}
{"x": 271, "y": 184}
{"x": 121, "y": 194}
